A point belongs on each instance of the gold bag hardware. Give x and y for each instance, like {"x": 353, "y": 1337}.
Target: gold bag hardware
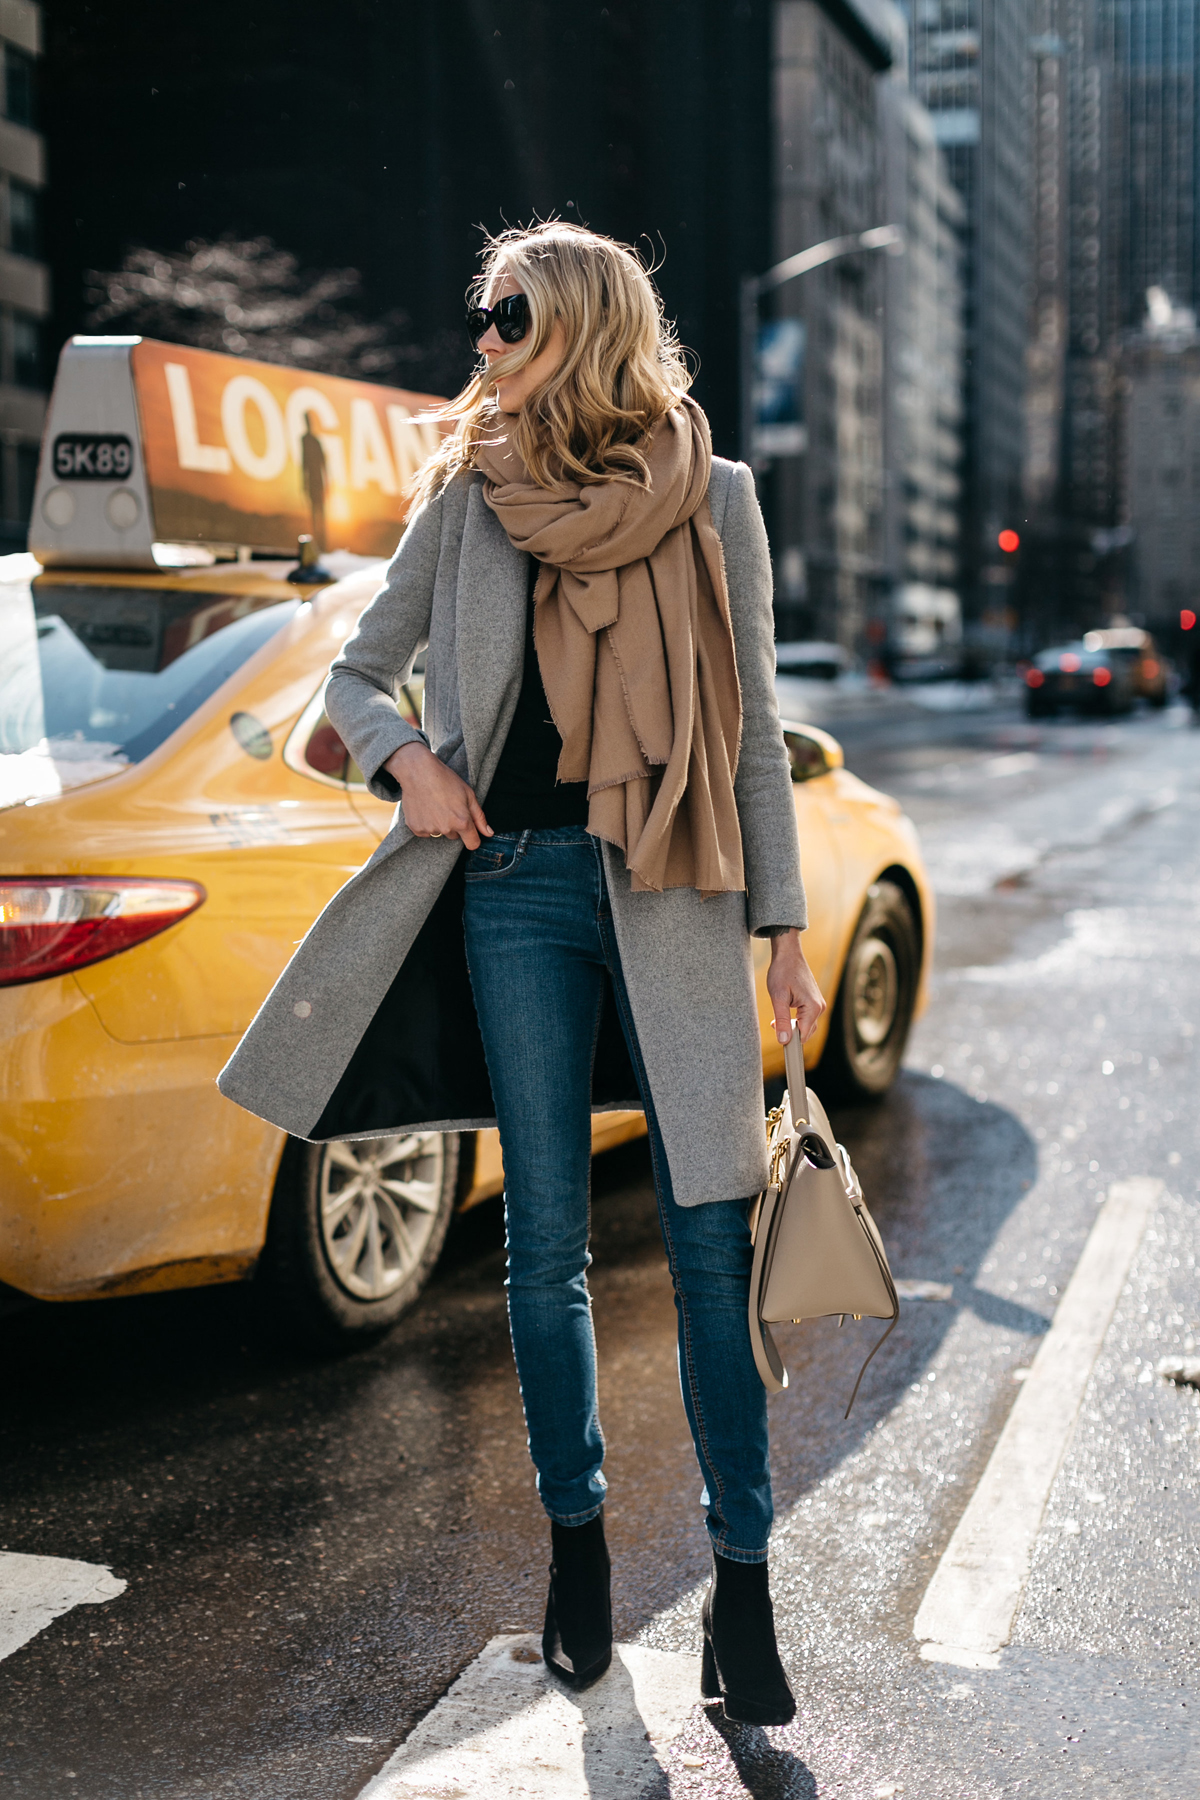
{"x": 817, "y": 1251}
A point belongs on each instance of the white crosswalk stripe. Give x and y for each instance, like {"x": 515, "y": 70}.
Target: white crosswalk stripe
{"x": 507, "y": 1728}
{"x": 972, "y": 1600}
{"x": 35, "y": 1590}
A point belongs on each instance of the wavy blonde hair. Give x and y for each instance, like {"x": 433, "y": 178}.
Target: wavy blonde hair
{"x": 623, "y": 367}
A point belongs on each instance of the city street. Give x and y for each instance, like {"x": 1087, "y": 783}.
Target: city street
{"x": 312, "y": 1552}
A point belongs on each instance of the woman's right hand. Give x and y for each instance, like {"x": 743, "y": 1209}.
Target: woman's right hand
{"x": 436, "y": 801}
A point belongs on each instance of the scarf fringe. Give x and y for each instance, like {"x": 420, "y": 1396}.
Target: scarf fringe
{"x": 600, "y": 787}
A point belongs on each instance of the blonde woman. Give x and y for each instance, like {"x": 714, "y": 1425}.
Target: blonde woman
{"x": 598, "y": 807}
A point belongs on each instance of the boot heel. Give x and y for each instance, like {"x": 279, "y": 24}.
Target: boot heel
{"x": 710, "y": 1685}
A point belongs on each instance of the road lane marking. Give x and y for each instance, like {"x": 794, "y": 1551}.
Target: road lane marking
{"x": 35, "y": 1590}
{"x": 970, "y": 1604}
{"x": 507, "y": 1728}
{"x": 911, "y": 1289}
{"x": 1020, "y": 762}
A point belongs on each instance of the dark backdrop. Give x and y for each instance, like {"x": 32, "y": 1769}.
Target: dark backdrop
{"x": 384, "y": 133}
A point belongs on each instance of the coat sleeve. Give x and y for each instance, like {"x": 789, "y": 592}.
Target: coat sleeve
{"x": 377, "y": 657}
{"x": 763, "y": 785}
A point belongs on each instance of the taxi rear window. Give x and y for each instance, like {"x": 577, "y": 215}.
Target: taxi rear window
{"x": 93, "y": 679}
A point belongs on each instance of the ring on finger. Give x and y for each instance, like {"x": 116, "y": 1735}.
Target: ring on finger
{"x": 434, "y": 834}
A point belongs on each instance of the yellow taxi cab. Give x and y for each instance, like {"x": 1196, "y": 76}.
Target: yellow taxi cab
{"x": 175, "y": 809}
{"x": 1137, "y": 651}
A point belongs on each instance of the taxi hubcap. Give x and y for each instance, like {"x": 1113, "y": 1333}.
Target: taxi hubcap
{"x": 876, "y": 992}
{"x": 379, "y": 1204}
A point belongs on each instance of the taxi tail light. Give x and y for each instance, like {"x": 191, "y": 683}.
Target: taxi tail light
{"x": 1034, "y": 678}
{"x": 1101, "y": 677}
{"x": 53, "y": 924}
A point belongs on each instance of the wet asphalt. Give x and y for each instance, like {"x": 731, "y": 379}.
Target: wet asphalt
{"x": 314, "y": 1550}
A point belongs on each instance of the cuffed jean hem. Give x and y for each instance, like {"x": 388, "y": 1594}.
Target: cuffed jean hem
{"x": 582, "y": 1518}
{"x": 733, "y": 1554}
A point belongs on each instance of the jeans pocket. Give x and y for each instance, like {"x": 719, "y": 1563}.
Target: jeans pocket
{"x": 500, "y": 857}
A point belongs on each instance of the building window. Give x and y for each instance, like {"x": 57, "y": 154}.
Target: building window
{"x": 18, "y": 86}
{"x": 24, "y": 220}
{"x": 27, "y": 351}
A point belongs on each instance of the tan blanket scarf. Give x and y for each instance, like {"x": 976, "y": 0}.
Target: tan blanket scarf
{"x": 635, "y": 648}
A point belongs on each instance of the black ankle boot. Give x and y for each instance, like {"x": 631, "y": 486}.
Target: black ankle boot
{"x": 741, "y": 1661}
{"x": 577, "y": 1640}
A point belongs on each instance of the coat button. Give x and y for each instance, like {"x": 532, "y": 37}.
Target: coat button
{"x": 302, "y": 1009}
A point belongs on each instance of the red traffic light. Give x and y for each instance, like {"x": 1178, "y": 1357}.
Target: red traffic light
{"x": 1187, "y": 620}
{"x": 1008, "y": 542}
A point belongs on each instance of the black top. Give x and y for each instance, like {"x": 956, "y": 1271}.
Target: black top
{"x": 526, "y": 794}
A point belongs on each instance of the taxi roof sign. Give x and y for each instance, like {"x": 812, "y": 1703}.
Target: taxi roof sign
{"x": 151, "y": 443}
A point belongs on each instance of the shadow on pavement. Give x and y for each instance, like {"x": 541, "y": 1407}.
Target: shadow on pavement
{"x": 767, "y": 1771}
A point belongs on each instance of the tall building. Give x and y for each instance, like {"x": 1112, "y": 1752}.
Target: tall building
{"x": 24, "y": 277}
{"x": 1152, "y": 48}
{"x": 825, "y": 506}
{"x": 971, "y": 62}
{"x": 1089, "y": 488}
{"x": 1138, "y": 108}
{"x": 1069, "y": 570}
{"x": 1160, "y": 395}
{"x": 923, "y": 357}
{"x": 1046, "y": 352}
{"x": 649, "y": 122}
{"x": 1117, "y": 182}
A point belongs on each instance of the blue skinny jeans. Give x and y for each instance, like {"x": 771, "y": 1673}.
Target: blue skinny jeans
{"x": 539, "y": 937}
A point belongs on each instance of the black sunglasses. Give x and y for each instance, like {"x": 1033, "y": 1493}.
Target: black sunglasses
{"x": 510, "y": 316}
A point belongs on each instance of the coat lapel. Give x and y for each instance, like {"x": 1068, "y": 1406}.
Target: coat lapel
{"x": 489, "y": 634}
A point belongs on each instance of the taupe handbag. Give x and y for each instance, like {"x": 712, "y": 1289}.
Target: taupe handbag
{"x": 816, "y": 1248}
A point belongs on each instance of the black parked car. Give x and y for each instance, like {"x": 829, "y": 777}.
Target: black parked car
{"x": 1087, "y": 675}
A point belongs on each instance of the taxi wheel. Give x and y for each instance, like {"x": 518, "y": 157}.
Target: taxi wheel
{"x": 873, "y": 1011}
{"x": 355, "y": 1231}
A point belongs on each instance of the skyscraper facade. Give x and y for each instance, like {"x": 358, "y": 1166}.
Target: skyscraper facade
{"x": 1152, "y": 48}
{"x": 923, "y": 355}
{"x": 1089, "y": 475}
{"x": 971, "y": 69}
{"x": 648, "y": 122}
{"x": 1068, "y": 568}
{"x": 1116, "y": 186}
{"x": 825, "y": 505}
{"x": 1161, "y": 468}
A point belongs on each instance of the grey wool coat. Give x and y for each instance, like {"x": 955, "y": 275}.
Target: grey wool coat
{"x": 364, "y": 1031}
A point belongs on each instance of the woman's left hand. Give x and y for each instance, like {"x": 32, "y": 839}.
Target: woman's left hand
{"x": 791, "y": 983}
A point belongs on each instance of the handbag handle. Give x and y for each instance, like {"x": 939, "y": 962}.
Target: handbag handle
{"x": 793, "y": 1062}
